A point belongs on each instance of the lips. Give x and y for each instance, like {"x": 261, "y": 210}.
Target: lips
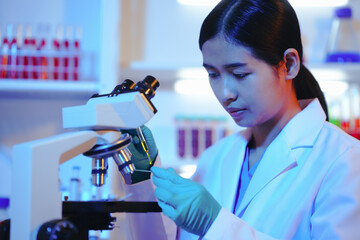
{"x": 236, "y": 113}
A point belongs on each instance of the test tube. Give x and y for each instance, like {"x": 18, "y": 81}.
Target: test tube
{"x": 66, "y": 51}
{"x": 13, "y": 50}
{"x": 42, "y": 52}
{"x": 208, "y": 132}
{"x": 56, "y": 60}
{"x": 76, "y": 65}
{"x": 25, "y": 54}
{"x": 4, "y": 57}
{"x": 19, "y": 57}
{"x": 195, "y": 138}
{"x": 181, "y": 135}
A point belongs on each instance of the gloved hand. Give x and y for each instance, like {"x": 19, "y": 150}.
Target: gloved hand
{"x": 139, "y": 156}
{"x": 186, "y": 202}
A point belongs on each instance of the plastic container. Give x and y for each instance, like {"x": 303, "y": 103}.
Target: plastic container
{"x": 343, "y": 44}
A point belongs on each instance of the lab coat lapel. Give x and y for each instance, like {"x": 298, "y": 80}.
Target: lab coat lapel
{"x": 231, "y": 169}
{"x": 276, "y": 160}
{"x": 279, "y": 156}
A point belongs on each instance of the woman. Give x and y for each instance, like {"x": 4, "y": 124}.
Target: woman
{"x": 290, "y": 174}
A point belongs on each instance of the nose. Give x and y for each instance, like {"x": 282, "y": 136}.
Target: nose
{"x": 229, "y": 91}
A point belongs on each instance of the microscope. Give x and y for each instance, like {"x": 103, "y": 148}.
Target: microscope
{"x": 37, "y": 210}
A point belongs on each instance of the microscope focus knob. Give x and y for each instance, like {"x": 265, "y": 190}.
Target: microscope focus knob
{"x": 58, "y": 230}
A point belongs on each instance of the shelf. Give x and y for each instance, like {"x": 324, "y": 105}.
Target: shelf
{"x": 348, "y": 72}
{"x": 342, "y": 66}
{"x": 9, "y": 85}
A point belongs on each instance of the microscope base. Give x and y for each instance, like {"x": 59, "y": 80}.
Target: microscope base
{"x": 80, "y": 217}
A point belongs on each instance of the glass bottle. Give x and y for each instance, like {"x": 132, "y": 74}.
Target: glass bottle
{"x": 343, "y": 45}
{"x": 4, "y": 205}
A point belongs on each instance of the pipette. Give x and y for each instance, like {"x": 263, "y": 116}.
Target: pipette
{"x": 140, "y": 170}
{"x": 143, "y": 143}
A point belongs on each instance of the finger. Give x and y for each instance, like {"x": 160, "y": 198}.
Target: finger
{"x": 173, "y": 176}
{"x": 168, "y": 210}
{"x": 162, "y": 182}
{"x": 169, "y": 186}
{"x": 159, "y": 172}
{"x": 171, "y": 171}
{"x": 169, "y": 174}
{"x": 163, "y": 195}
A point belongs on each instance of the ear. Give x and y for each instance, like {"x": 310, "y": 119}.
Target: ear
{"x": 292, "y": 63}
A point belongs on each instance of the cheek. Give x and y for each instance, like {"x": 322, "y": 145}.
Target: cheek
{"x": 262, "y": 96}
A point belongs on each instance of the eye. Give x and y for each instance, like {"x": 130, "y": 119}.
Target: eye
{"x": 241, "y": 75}
{"x": 213, "y": 75}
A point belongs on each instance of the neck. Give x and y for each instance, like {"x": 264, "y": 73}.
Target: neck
{"x": 265, "y": 133}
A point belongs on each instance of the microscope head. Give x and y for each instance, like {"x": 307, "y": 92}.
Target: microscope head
{"x": 128, "y": 106}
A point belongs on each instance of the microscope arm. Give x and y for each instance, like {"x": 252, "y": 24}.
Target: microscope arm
{"x": 35, "y": 183}
{"x": 35, "y": 197}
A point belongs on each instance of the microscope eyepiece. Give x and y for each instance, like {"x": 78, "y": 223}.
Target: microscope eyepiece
{"x": 126, "y": 85}
{"x": 152, "y": 82}
{"x": 147, "y": 86}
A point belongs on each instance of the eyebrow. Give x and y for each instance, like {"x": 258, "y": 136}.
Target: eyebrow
{"x": 231, "y": 65}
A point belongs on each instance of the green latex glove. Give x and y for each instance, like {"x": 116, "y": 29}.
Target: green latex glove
{"x": 139, "y": 156}
{"x": 186, "y": 202}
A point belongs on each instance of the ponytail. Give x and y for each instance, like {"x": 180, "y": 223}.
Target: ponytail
{"x": 306, "y": 87}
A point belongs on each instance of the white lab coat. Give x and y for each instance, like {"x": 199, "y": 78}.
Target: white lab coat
{"x": 307, "y": 185}
{"x": 146, "y": 226}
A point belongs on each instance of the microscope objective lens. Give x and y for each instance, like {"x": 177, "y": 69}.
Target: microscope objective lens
{"x": 99, "y": 171}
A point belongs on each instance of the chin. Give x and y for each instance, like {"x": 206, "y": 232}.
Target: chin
{"x": 244, "y": 123}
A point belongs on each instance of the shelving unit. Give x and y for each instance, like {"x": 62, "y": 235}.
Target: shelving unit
{"x": 100, "y": 45}
{"x": 36, "y": 104}
{"x": 348, "y": 72}
{"x": 10, "y": 85}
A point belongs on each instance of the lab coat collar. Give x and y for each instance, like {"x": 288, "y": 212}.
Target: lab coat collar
{"x": 300, "y": 131}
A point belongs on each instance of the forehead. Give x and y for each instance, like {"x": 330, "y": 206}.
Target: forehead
{"x": 220, "y": 51}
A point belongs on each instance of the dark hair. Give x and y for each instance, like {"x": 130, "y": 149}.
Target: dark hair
{"x": 266, "y": 27}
